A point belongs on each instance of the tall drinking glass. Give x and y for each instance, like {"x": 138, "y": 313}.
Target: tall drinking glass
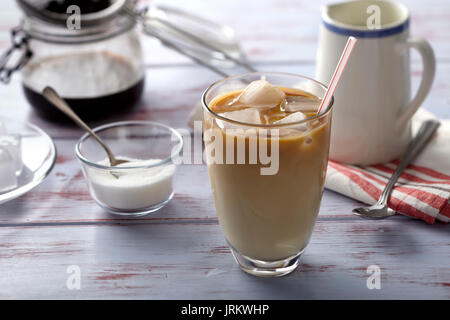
{"x": 267, "y": 179}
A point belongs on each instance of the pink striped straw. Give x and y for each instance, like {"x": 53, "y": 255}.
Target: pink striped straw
{"x": 338, "y": 72}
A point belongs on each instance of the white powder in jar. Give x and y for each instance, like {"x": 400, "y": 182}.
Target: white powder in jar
{"x": 136, "y": 188}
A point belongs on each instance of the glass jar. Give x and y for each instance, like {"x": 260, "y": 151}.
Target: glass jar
{"x": 92, "y": 60}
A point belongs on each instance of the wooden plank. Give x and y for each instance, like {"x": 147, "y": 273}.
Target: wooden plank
{"x": 64, "y": 197}
{"x": 172, "y": 92}
{"x": 190, "y": 259}
{"x": 159, "y": 104}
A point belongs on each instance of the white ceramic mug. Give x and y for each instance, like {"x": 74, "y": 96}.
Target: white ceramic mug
{"x": 373, "y": 106}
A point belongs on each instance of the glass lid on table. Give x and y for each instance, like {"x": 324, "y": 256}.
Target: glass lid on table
{"x": 90, "y": 51}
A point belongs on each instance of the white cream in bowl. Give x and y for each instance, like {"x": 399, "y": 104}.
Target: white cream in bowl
{"x": 134, "y": 188}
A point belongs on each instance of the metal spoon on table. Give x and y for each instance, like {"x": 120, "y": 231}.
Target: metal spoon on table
{"x": 51, "y": 95}
{"x": 380, "y": 210}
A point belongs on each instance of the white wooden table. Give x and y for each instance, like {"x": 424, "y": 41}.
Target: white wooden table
{"x": 180, "y": 252}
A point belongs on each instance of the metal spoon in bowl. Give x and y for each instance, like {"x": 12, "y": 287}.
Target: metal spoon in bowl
{"x": 51, "y": 95}
{"x": 380, "y": 210}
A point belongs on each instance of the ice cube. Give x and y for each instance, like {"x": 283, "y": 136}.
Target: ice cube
{"x": 295, "y": 117}
{"x": 12, "y": 144}
{"x": 262, "y": 95}
{"x": 8, "y": 179}
{"x": 301, "y": 103}
{"x": 249, "y": 115}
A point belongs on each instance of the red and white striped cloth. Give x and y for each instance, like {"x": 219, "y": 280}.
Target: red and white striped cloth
{"x": 423, "y": 190}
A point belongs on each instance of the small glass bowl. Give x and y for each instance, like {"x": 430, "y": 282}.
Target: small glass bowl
{"x": 137, "y": 189}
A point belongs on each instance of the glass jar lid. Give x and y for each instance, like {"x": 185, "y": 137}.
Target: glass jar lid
{"x": 55, "y": 12}
{"x": 48, "y": 20}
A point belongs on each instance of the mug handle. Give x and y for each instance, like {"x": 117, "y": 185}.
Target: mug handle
{"x": 429, "y": 69}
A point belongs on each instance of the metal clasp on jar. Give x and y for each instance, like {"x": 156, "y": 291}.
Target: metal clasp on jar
{"x": 16, "y": 56}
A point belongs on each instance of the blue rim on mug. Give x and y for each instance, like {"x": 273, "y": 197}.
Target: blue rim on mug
{"x": 363, "y": 32}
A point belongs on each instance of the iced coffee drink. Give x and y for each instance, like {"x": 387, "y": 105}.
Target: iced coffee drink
{"x": 267, "y": 152}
